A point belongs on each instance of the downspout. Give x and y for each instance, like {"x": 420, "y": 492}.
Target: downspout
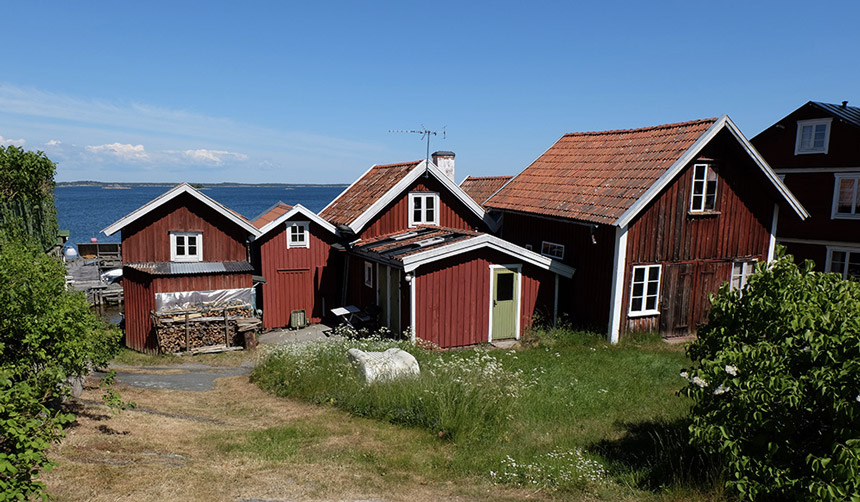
{"x": 617, "y": 298}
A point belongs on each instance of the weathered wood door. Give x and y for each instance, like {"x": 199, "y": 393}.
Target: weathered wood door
{"x": 676, "y": 310}
{"x": 504, "y": 303}
{"x": 711, "y": 276}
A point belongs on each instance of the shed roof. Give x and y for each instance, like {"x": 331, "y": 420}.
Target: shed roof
{"x": 271, "y": 214}
{"x": 192, "y": 268}
{"x": 480, "y": 188}
{"x": 608, "y": 177}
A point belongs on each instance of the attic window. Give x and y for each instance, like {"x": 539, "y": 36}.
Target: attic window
{"x": 704, "y": 196}
{"x": 186, "y": 246}
{"x": 297, "y": 234}
{"x": 423, "y": 208}
{"x": 813, "y": 136}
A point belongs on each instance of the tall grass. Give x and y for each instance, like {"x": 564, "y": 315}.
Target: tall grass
{"x": 558, "y": 415}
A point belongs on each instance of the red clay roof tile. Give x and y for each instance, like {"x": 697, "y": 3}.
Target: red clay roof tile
{"x": 356, "y": 199}
{"x": 480, "y": 188}
{"x": 597, "y": 176}
{"x": 272, "y": 214}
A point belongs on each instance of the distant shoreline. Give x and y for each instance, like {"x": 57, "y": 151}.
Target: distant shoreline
{"x": 110, "y": 184}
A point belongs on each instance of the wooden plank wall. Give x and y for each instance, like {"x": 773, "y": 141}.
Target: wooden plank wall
{"x": 299, "y": 278}
{"x": 148, "y": 239}
{"x": 395, "y": 217}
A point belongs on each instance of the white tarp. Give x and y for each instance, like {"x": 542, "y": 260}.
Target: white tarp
{"x": 218, "y": 298}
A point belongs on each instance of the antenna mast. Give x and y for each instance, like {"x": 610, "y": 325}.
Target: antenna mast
{"x": 425, "y": 134}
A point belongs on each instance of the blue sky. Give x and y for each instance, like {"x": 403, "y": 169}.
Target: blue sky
{"x": 306, "y": 92}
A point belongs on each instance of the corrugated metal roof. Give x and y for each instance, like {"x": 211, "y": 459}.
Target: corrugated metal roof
{"x": 192, "y": 268}
{"x": 480, "y": 188}
{"x": 597, "y": 176}
{"x": 850, "y": 114}
{"x": 375, "y": 183}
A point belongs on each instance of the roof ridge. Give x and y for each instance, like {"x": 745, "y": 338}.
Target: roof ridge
{"x": 488, "y": 177}
{"x": 398, "y": 164}
{"x": 642, "y": 129}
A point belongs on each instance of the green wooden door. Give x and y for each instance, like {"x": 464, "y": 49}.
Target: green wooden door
{"x": 504, "y": 298}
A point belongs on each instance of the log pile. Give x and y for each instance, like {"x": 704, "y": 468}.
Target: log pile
{"x": 202, "y": 329}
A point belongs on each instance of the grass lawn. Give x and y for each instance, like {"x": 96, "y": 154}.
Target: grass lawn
{"x": 567, "y": 415}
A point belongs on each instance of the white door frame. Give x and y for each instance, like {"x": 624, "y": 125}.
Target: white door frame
{"x": 517, "y": 269}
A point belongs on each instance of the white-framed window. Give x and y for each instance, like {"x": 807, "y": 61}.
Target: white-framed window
{"x": 813, "y": 136}
{"x": 741, "y": 271}
{"x": 704, "y": 193}
{"x": 368, "y": 274}
{"x": 844, "y": 261}
{"x": 186, "y": 246}
{"x": 645, "y": 290}
{"x": 846, "y": 196}
{"x": 423, "y": 208}
{"x": 297, "y": 234}
{"x": 552, "y": 250}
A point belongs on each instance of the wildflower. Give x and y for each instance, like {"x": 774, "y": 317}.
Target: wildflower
{"x": 857, "y": 398}
{"x": 602, "y": 391}
{"x": 685, "y": 375}
{"x": 732, "y": 370}
{"x": 722, "y": 389}
{"x": 806, "y": 349}
{"x": 701, "y": 383}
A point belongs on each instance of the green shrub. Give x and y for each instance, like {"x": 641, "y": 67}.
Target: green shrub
{"x": 776, "y": 386}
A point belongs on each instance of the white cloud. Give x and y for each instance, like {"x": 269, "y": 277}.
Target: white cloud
{"x": 126, "y": 152}
{"x": 54, "y": 142}
{"x": 213, "y": 156}
{"x": 5, "y": 141}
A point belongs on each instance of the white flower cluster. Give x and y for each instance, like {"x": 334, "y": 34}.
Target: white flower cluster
{"x": 552, "y": 470}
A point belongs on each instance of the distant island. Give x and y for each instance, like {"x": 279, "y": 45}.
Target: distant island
{"x": 113, "y": 184}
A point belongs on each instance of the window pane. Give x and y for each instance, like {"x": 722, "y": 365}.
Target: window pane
{"x": 654, "y": 273}
{"x": 652, "y": 288}
{"x": 638, "y": 289}
{"x": 638, "y": 274}
{"x": 698, "y": 173}
{"x": 711, "y": 195}
{"x": 806, "y": 137}
{"x": 820, "y": 131}
{"x": 846, "y": 196}
{"x": 636, "y": 305}
{"x": 853, "y": 266}
{"x": 698, "y": 187}
{"x": 505, "y": 287}
{"x": 416, "y": 210}
{"x": 651, "y": 303}
{"x": 192, "y": 249}
{"x": 180, "y": 245}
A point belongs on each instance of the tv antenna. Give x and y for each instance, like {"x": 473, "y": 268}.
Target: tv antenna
{"x": 425, "y": 134}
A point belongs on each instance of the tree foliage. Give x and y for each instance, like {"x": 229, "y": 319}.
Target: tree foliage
{"x": 27, "y": 196}
{"x": 776, "y": 386}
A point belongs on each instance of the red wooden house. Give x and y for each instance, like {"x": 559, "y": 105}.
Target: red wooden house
{"x": 294, "y": 253}
{"x": 181, "y": 241}
{"x": 816, "y": 149}
{"x": 420, "y": 253}
{"x": 653, "y": 219}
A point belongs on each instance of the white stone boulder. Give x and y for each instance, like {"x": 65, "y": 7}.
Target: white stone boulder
{"x": 378, "y": 366}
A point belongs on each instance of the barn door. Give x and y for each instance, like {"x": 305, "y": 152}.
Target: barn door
{"x": 711, "y": 276}
{"x": 675, "y": 305}
{"x": 504, "y": 298}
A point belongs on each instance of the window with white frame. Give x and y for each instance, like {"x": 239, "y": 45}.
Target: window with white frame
{"x": 186, "y": 246}
{"x": 844, "y": 261}
{"x": 423, "y": 208}
{"x": 645, "y": 290}
{"x": 552, "y": 250}
{"x": 297, "y": 234}
{"x": 741, "y": 271}
{"x": 813, "y": 136}
{"x": 368, "y": 274}
{"x": 704, "y": 195}
{"x": 846, "y": 196}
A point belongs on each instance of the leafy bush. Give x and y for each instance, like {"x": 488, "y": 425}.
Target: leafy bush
{"x": 27, "y": 196}
{"x": 776, "y": 387}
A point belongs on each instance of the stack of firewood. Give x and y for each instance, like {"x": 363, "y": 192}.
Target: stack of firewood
{"x": 204, "y": 329}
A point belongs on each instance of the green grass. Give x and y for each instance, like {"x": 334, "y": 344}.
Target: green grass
{"x": 568, "y": 413}
{"x": 130, "y": 357}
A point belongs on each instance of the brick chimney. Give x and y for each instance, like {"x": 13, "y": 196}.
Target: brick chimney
{"x": 445, "y": 162}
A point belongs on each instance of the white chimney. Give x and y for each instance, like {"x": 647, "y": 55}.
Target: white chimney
{"x": 445, "y": 162}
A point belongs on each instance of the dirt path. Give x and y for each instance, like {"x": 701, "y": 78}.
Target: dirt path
{"x": 237, "y": 443}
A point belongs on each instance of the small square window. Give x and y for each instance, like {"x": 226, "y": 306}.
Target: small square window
{"x": 844, "y": 261}
{"x": 186, "y": 246}
{"x": 846, "y": 196}
{"x": 297, "y": 234}
{"x": 423, "y": 208}
{"x": 368, "y": 274}
{"x": 552, "y": 250}
{"x": 741, "y": 272}
{"x": 813, "y": 136}
{"x": 645, "y": 290}
{"x": 704, "y": 192}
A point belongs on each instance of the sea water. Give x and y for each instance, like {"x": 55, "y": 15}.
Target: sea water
{"x": 85, "y": 210}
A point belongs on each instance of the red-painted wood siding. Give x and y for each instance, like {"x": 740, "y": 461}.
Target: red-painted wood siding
{"x": 453, "y": 297}
{"x": 298, "y": 278}
{"x": 815, "y": 191}
{"x": 395, "y": 217}
{"x": 148, "y": 239}
{"x": 584, "y": 299}
{"x": 139, "y": 290}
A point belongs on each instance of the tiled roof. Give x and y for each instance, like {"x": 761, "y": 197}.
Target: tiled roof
{"x": 850, "y": 114}
{"x": 271, "y": 214}
{"x": 190, "y": 268}
{"x": 480, "y": 188}
{"x": 597, "y": 176}
{"x": 375, "y": 183}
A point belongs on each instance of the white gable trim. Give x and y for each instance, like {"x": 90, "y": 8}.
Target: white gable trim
{"x": 172, "y": 194}
{"x": 690, "y": 155}
{"x": 301, "y": 210}
{"x": 358, "y": 224}
{"x": 414, "y": 261}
